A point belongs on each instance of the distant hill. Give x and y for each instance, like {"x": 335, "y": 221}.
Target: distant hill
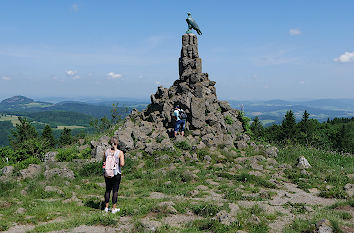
{"x": 16, "y": 100}
{"x": 273, "y": 111}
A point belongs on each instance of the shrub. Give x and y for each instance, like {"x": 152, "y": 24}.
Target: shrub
{"x": 85, "y": 154}
{"x": 25, "y": 163}
{"x": 91, "y": 169}
{"x": 206, "y": 209}
{"x": 228, "y": 120}
{"x": 67, "y": 154}
{"x": 183, "y": 145}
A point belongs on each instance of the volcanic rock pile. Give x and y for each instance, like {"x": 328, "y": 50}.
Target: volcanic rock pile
{"x": 210, "y": 122}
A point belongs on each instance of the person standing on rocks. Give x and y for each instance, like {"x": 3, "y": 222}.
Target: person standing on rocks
{"x": 113, "y": 160}
{"x": 180, "y": 123}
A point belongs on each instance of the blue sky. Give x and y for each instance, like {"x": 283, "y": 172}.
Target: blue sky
{"x": 252, "y": 49}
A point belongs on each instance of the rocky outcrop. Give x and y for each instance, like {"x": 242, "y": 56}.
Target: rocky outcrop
{"x": 208, "y": 119}
{"x": 303, "y": 163}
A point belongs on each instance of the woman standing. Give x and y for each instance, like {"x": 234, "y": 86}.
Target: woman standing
{"x": 113, "y": 160}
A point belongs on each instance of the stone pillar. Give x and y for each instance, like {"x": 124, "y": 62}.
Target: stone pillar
{"x": 189, "y": 63}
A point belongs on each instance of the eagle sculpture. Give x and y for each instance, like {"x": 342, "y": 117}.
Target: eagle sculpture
{"x": 192, "y": 24}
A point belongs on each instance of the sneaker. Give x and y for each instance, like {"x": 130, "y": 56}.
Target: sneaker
{"x": 106, "y": 210}
{"x": 115, "y": 210}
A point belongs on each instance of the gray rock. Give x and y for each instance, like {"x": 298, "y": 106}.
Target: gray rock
{"x": 271, "y": 151}
{"x": 169, "y": 205}
{"x": 150, "y": 225}
{"x": 53, "y": 189}
{"x": 349, "y": 189}
{"x": 63, "y": 172}
{"x": 241, "y": 145}
{"x": 323, "y": 226}
{"x": 50, "y": 156}
{"x": 30, "y": 172}
{"x": 20, "y": 211}
{"x": 7, "y": 171}
{"x": 83, "y": 147}
{"x": 225, "y": 218}
{"x": 207, "y": 158}
{"x": 303, "y": 163}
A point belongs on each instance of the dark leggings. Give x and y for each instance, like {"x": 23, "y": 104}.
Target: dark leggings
{"x": 112, "y": 184}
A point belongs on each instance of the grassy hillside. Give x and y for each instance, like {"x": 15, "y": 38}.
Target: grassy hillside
{"x": 174, "y": 192}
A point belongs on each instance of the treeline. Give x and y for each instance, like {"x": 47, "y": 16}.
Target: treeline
{"x": 27, "y": 146}
{"x": 336, "y": 134}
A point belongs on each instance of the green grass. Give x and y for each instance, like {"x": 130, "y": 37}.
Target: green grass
{"x": 328, "y": 169}
{"x": 176, "y": 181}
{"x": 14, "y": 119}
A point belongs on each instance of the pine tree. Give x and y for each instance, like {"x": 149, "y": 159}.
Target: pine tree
{"x": 289, "y": 126}
{"x": 47, "y": 135}
{"x": 23, "y": 131}
{"x": 65, "y": 137}
{"x": 257, "y": 128}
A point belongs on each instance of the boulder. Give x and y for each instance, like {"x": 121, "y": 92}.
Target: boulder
{"x": 50, "y": 156}
{"x": 271, "y": 151}
{"x": 150, "y": 225}
{"x": 7, "y": 171}
{"x": 302, "y": 163}
{"x": 323, "y": 226}
{"x": 53, "y": 189}
{"x": 225, "y": 218}
{"x": 349, "y": 189}
{"x": 241, "y": 145}
{"x": 30, "y": 172}
{"x": 63, "y": 172}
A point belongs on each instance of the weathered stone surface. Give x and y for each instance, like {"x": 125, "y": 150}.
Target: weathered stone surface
{"x": 241, "y": 145}
{"x": 303, "y": 163}
{"x": 53, "y": 189}
{"x": 225, "y": 218}
{"x": 7, "y": 171}
{"x": 323, "y": 226}
{"x": 63, "y": 172}
{"x": 30, "y": 172}
{"x": 150, "y": 225}
{"x": 349, "y": 189}
{"x": 271, "y": 151}
{"x": 151, "y": 129}
{"x": 50, "y": 156}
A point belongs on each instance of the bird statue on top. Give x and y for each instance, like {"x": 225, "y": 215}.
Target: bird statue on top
{"x": 192, "y": 24}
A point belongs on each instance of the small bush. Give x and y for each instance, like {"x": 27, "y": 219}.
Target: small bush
{"x": 91, "y": 169}
{"x": 25, "y": 163}
{"x": 85, "y": 154}
{"x": 228, "y": 120}
{"x": 206, "y": 209}
{"x": 67, "y": 154}
{"x": 183, "y": 145}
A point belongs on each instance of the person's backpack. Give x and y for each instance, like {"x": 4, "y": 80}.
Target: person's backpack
{"x": 110, "y": 164}
{"x": 182, "y": 115}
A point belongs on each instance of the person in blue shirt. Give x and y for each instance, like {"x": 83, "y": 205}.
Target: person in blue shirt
{"x": 180, "y": 123}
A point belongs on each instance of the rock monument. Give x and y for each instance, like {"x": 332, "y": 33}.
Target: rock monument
{"x": 210, "y": 122}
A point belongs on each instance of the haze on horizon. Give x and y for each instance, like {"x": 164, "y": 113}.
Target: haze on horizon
{"x": 259, "y": 50}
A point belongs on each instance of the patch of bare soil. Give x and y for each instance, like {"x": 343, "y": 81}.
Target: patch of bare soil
{"x": 20, "y": 228}
{"x": 180, "y": 219}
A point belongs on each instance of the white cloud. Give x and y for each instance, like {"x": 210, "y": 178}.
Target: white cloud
{"x": 75, "y": 7}
{"x": 294, "y": 32}
{"x": 71, "y": 72}
{"x": 157, "y": 83}
{"x": 114, "y": 75}
{"x": 302, "y": 82}
{"x": 6, "y": 78}
{"x": 345, "y": 57}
